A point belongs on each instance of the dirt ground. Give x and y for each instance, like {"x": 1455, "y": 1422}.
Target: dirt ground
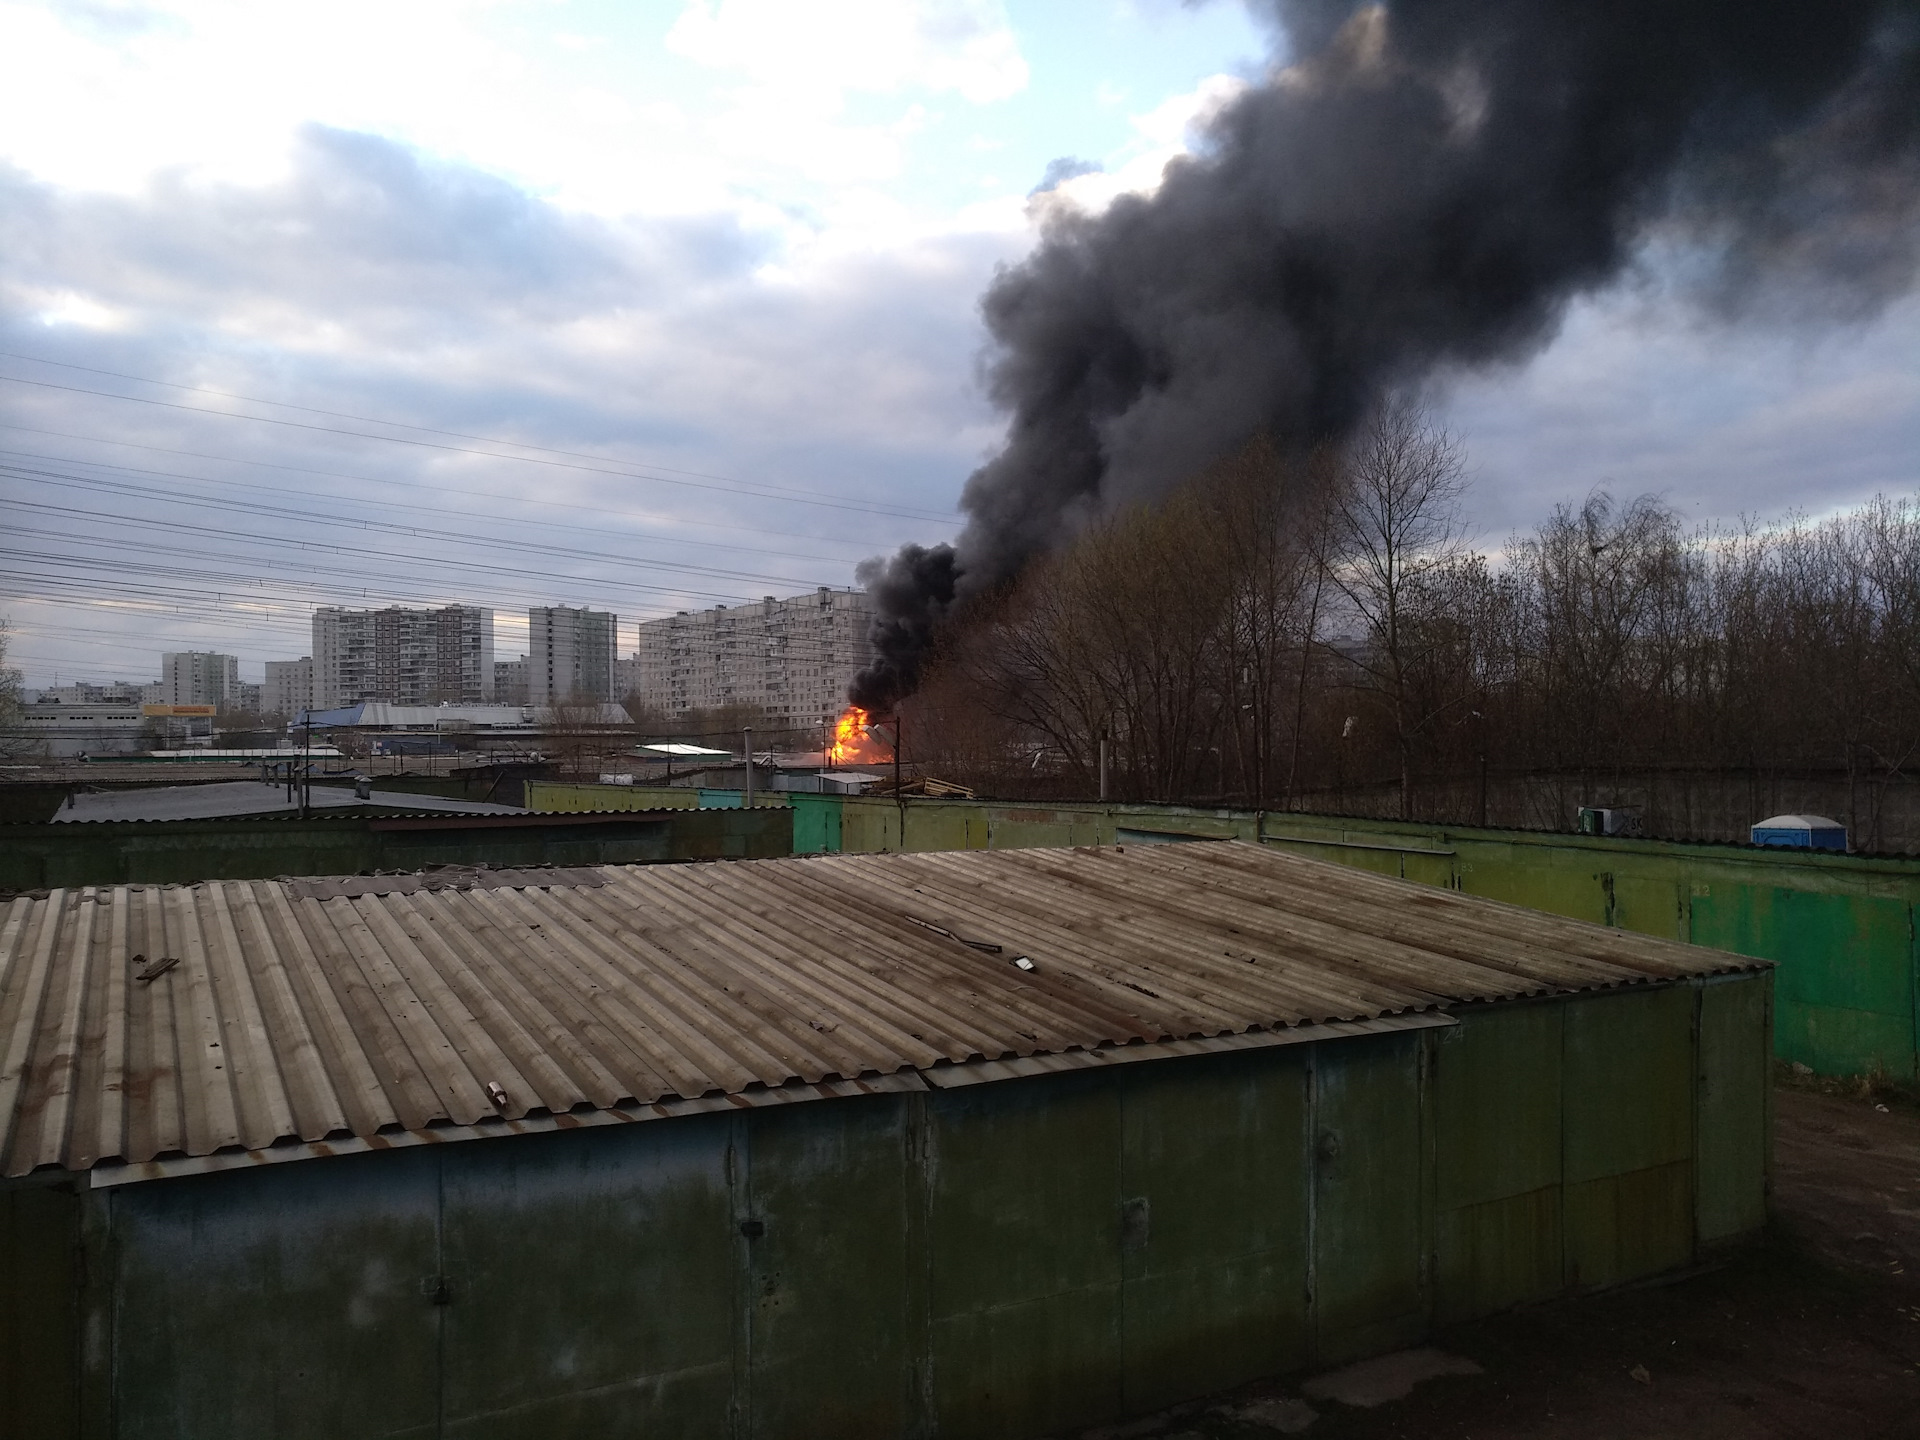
{"x": 1814, "y": 1333}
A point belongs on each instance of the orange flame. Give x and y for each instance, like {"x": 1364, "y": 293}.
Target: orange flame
{"x": 851, "y": 740}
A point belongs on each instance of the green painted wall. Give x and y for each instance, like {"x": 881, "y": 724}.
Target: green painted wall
{"x": 988, "y": 1262}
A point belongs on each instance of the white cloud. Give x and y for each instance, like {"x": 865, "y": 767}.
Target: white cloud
{"x": 815, "y": 52}
{"x": 1173, "y": 128}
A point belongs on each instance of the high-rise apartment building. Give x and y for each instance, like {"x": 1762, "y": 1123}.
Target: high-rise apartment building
{"x": 793, "y": 658}
{"x": 510, "y": 682}
{"x": 570, "y": 654}
{"x": 407, "y": 657}
{"x": 289, "y": 687}
{"x": 200, "y": 677}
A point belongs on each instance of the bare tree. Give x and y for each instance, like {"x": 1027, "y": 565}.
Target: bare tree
{"x": 15, "y": 743}
{"x": 1396, "y": 518}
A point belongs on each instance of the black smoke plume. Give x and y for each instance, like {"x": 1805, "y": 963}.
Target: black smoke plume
{"x": 1422, "y": 188}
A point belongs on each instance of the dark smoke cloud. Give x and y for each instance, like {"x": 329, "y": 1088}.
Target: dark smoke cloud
{"x": 1425, "y": 188}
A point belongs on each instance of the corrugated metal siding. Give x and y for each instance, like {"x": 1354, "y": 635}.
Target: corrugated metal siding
{"x": 294, "y": 1017}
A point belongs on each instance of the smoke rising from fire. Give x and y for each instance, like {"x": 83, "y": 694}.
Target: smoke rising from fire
{"x": 1423, "y": 188}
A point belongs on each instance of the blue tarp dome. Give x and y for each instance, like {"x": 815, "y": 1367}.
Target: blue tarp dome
{"x": 1801, "y": 832}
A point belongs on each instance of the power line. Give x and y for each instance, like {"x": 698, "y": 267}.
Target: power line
{"x": 763, "y": 492}
{"x": 374, "y": 420}
{"x": 389, "y": 483}
{"x": 359, "y": 500}
{"x": 64, "y": 480}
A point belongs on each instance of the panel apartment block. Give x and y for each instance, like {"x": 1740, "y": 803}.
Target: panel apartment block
{"x": 200, "y": 677}
{"x": 793, "y": 658}
{"x": 289, "y": 686}
{"x": 570, "y": 654}
{"x": 408, "y": 657}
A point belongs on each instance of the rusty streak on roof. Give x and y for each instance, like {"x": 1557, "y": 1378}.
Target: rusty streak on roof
{"x": 302, "y": 1014}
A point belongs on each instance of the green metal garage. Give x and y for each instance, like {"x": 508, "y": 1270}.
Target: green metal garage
{"x": 967, "y": 1144}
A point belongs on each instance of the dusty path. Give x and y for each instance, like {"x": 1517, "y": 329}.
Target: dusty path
{"x": 1814, "y": 1335}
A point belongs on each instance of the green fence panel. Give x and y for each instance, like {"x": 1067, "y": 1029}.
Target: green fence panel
{"x": 869, "y": 826}
{"x": 816, "y": 823}
{"x": 1843, "y": 992}
{"x": 1652, "y": 905}
{"x": 553, "y": 796}
{"x": 1560, "y": 890}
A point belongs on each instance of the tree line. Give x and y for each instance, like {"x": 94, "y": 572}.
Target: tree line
{"x": 1313, "y": 631}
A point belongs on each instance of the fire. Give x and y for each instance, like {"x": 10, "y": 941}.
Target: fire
{"x": 852, "y": 742}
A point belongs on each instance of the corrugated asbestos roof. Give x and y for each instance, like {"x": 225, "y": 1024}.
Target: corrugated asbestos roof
{"x": 256, "y": 1018}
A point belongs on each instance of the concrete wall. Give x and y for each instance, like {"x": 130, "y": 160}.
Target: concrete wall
{"x": 999, "y": 1260}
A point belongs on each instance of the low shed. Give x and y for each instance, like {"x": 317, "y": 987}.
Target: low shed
{"x": 970, "y": 1144}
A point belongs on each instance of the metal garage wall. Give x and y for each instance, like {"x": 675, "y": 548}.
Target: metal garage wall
{"x": 293, "y": 1301}
{"x": 39, "y": 1335}
{"x": 996, "y": 1259}
{"x": 588, "y": 1283}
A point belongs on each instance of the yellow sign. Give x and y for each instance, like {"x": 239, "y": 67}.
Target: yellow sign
{"x": 178, "y": 711}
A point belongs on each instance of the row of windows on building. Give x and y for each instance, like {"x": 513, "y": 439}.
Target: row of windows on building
{"x": 792, "y": 658}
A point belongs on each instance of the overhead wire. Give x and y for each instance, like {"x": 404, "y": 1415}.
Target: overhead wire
{"x": 375, "y": 420}
{"x": 779, "y": 494}
{"x": 337, "y": 499}
{"x": 281, "y": 601}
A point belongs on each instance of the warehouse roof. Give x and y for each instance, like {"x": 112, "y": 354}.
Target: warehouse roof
{"x": 146, "y": 1030}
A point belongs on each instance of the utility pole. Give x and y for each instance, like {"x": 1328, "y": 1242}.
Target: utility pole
{"x": 1103, "y": 766}
{"x": 899, "y": 795}
{"x": 746, "y": 750}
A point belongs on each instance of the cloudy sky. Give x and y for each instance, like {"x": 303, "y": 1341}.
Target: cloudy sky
{"x": 656, "y": 304}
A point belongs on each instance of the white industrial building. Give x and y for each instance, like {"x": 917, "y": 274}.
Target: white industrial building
{"x": 793, "y": 658}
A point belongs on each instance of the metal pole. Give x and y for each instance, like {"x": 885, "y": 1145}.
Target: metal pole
{"x": 899, "y": 795}
{"x": 306, "y": 764}
{"x": 1103, "y": 767}
{"x": 746, "y": 747}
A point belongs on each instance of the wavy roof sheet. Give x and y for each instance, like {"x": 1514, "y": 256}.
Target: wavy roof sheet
{"x": 237, "y": 1017}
